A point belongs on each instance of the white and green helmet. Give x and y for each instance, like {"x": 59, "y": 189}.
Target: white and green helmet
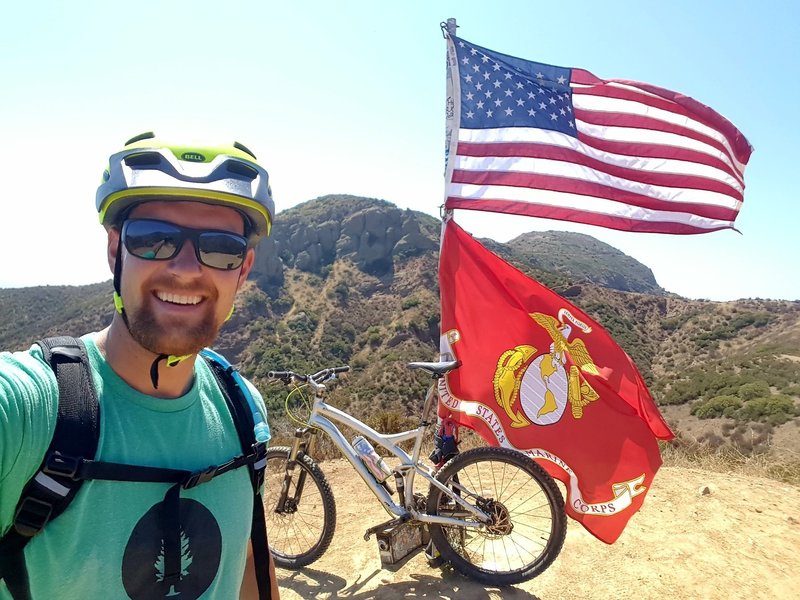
{"x": 148, "y": 168}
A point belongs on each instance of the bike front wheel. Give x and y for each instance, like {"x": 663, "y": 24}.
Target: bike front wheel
{"x": 527, "y": 522}
{"x": 301, "y": 527}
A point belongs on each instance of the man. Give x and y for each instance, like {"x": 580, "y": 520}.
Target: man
{"x": 182, "y": 224}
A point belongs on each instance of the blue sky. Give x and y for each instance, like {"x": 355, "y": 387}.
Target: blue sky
{"x": 348, "y": 97}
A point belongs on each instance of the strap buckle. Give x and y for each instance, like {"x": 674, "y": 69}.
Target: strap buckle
{"x": 198, "y": 477}
{"x": 62, "y": 465}
{"x": 260, "y": 450}
{"x": 31, "y": 516}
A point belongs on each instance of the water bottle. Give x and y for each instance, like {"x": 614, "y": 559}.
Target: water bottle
{"x": 376, "y": 465}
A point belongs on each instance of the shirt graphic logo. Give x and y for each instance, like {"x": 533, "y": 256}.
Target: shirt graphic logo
{"x": 143, "y": 564}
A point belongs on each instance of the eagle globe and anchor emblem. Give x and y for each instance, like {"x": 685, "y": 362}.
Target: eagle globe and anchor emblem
{"x": 536, "y": 388}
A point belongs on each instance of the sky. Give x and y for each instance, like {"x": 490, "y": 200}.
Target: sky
{"x": 348, "y": 97}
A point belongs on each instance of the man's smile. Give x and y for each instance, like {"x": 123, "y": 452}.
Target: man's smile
{"x": 172, "y": 298}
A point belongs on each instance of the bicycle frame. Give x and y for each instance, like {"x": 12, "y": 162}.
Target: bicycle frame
{"x": 324, "y": 418}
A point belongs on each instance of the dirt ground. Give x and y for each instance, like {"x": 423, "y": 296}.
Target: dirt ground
{"x": 739, "y": 540}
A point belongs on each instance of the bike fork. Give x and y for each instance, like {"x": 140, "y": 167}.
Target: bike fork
{"x": 302, "y": 444}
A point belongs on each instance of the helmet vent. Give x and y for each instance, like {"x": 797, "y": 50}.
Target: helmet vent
{"x": 243, "y": 148}
{"x": 240, "y": 168}
{"x": 143, "y": 159}
{"x": 142, "y": 136}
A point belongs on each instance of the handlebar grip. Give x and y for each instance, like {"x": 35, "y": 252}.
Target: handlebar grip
{"x": 329, "y": 373}
{"x": 283, "y": 375}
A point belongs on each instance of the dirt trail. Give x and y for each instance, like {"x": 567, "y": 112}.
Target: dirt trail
{"x": 741, "y": 540}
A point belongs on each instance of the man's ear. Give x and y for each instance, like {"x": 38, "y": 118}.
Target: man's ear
{"x": 113, "y": 247}
{"x": 249, "y": 259}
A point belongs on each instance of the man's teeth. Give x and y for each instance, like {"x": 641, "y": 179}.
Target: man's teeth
{"x": 176, "y": 299}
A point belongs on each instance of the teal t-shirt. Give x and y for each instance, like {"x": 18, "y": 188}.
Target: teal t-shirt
{"x": 108, "y": 543}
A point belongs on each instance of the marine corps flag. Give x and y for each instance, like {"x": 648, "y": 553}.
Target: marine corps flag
{"x": 540, "y": 376}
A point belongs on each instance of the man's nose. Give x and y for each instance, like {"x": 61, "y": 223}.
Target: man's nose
{"x": 186, "y": 259}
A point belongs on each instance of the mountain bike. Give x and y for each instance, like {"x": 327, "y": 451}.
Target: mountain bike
{"x": 493, "y": 513}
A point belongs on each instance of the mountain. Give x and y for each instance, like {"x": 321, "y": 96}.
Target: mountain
{"x": 583, "y": 259}
{"x": 353, "y": 280}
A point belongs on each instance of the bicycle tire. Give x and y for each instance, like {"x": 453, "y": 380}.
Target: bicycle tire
{"x": 301, "y": 535}
{"x": 529, "y": 527}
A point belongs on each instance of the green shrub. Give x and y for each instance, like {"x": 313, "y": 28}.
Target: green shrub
{"x": 719, "y": 406}
{"x": 792, "y": 390}
{"x": 776, "y": 410}
{"x": 753, "y": 390}
{"x": 409, "y": 303}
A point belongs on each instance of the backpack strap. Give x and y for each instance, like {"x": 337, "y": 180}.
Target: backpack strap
{"x": 69, "y": 461}
{"x": 53, "y": 487}
{"x": 239, "y": 403}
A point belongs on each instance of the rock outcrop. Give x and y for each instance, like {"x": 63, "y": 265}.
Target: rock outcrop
{"x": 370, "y": 233}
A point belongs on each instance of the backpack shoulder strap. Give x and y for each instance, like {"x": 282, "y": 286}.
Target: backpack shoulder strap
{"x": 241, "y": 412}
{"x": 237, "y": 399}
{"x": 76, "y": 434}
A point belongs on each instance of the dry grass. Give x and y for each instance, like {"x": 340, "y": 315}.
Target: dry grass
{"x": 782, "y": 466}
{"x": 765, "y": 461}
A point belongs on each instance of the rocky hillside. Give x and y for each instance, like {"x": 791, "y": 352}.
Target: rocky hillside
{"x": 354, "y": 280}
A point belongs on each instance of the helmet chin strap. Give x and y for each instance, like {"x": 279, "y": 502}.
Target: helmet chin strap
{"x": 172, "y": 361}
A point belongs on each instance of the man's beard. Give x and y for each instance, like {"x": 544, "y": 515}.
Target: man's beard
{"x": 172, "y": 339}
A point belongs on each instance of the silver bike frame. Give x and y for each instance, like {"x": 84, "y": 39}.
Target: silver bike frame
{"x": 324, "y": 417}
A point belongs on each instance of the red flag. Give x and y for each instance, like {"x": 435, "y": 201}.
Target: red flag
{"x": 558, "y": 143}
{"x": 541, "y": 376}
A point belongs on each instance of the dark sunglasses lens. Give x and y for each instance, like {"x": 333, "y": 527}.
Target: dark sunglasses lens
{"x": 221, "y": 250}
{"x": 152, "y": 240}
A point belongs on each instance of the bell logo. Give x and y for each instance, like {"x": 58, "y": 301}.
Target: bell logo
{"x": 193, "y": 157}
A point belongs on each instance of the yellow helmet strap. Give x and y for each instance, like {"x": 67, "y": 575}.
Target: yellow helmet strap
{"x": 172, "y": 360}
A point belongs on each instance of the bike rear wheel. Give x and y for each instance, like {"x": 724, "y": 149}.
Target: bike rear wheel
{"x": 300, "y": 530}
{"x": 527, "y": 526}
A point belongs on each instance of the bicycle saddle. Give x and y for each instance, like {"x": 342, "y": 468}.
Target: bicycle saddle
{"x": 436, "y": 368}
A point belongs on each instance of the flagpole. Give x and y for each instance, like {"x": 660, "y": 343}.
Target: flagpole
{"x": 451, "y": 117}
{"x": 451, "y": 127}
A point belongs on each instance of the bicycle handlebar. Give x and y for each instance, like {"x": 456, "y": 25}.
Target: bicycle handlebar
{"x": 318, "y": 377}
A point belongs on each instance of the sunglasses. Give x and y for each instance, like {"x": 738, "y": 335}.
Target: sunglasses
{"x": 159, "y": 240}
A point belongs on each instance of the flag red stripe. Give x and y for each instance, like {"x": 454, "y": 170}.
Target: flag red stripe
{"x": 514, "y": 207}
{"x": 589, "y": 189}
{"x": 568, "y": 155}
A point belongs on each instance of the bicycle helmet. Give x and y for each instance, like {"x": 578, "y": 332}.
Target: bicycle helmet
{"x": 148, "y": 168}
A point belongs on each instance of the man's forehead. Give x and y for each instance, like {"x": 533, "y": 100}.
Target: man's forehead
{"x": 191, "y": 213}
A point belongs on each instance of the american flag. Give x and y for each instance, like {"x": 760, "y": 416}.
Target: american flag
{"x": 558, "y": 143}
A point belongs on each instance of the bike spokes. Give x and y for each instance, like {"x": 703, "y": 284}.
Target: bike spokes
{"x": 300, "y": 526}
{"x": 524, "y": 526}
